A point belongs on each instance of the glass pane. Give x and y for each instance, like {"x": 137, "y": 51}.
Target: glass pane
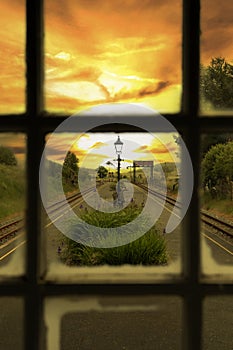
{"x": 12, "y": 323}
{"x": 114, "y": 323}
{"x": 12, "y": 203}
{"x": 217, "y": 204}
{"x": 103, "y": 52}
{"x": 217, "y": 326}
{"x": 216, "y": 56}
{"x": 12, "y": 59}
{"x": 92, "y": 219}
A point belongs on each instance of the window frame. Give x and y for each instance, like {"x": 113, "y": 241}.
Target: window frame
{"x": 35, "y": 123}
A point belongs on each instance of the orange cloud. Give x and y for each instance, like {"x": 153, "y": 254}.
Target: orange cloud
{"x": 98, "y": 144}
{"x": 123, "y": 63}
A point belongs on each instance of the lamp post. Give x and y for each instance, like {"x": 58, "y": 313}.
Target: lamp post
{"x": 118, "y": 146}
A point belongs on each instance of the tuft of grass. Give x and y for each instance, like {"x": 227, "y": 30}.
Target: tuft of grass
{"x": 150, "y": 249}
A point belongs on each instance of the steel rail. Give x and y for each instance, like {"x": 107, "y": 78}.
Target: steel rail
{"x": 210, "y": 220}
{"x": 9, "y": 229}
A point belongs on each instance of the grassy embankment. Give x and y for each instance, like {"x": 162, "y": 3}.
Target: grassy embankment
{"x": 219, "y": 207}
{"x": 12, "y": 191}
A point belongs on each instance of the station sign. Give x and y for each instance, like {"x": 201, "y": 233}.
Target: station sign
{"x": 143, "y": 163}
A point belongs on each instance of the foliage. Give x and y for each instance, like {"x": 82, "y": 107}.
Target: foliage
{"x": 217, "y": 169}
{"x": 112, "y": 186}
{"x": 102, "y": 172}
{"x": 168, "y": 167}
{"x": 207, "y": 141}
{"x": 150, "y": 249}
{"x": 216, "y": 83}
{"x": 7, "y": 156}
{"x": 70, "y": 169}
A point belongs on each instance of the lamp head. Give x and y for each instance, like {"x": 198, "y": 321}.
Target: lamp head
{"x": 118, "y": 145}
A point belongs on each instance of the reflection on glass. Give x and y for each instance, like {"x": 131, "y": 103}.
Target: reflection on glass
{"x": 216, "y": 83}
{"x": 12, "y": 323}
{"x": 114, "y": 323}
{"x": 12, "y": 203}
{"x": 100, "y": 52}
{"x": 217, "y": 323}
{"x": 12, "y": 59}
{"x": 216, "y": 198}
{"x": 109, "y": 195}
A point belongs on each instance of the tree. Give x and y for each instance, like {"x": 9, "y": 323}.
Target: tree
{"x": 209, "y": 140}
{"x": 7, "y": 156}
{"x": 217, "y": 169}
{"x": 70, "y": 168}
{"x": 102, "y": 172}
{"x": 216, "y": 83}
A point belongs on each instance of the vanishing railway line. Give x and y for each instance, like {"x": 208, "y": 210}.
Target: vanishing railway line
{"x": 219, "y": 225}
{"x": 10, "y": 230}
{"x": 14, "y": 229}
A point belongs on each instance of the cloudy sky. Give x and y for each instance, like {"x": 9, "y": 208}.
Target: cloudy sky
{"x": 108, "y": 51}
{"x": 97, "y": 149}
{"x": 99, "y": 51}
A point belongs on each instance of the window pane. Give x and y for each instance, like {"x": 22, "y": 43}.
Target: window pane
{"x": 12, "y": 203}
{"x": 114, "y": 323}
{"x": 12, "y": 73}
{"x": 217, "y": 327}
{"x": 217, "y": 209}
{"x": 12, "y": 323}
{"x": 216, "y": 56}
{"x": 103, "y": 52}
{"x": 122, "y": 225}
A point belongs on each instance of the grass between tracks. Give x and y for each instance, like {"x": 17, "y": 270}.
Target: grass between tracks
{"x": 150, "y": 249}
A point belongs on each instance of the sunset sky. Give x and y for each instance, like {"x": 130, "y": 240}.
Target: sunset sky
{"x": 101, "y": 51}
{"x": 97, "y": 149}
{"x": 108, "y": 51}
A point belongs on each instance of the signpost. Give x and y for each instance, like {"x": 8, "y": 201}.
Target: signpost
{"x": 143, "y": 163}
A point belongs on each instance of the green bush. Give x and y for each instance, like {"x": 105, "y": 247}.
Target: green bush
{"x": 150, "y": 249}
{"x": 7, "y": 156}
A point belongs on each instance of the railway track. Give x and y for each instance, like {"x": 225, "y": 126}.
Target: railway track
{"x": 56, "y": 207}
{"x": 218, "y": 225}
{"x": 11, "y": 229}
{"x": 221, "y": 226}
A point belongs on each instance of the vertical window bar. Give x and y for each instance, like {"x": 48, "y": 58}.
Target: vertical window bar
{"x": 190, "y": 105}
{"x": 191, "y": 57}
{"x": 34, "y": 59}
